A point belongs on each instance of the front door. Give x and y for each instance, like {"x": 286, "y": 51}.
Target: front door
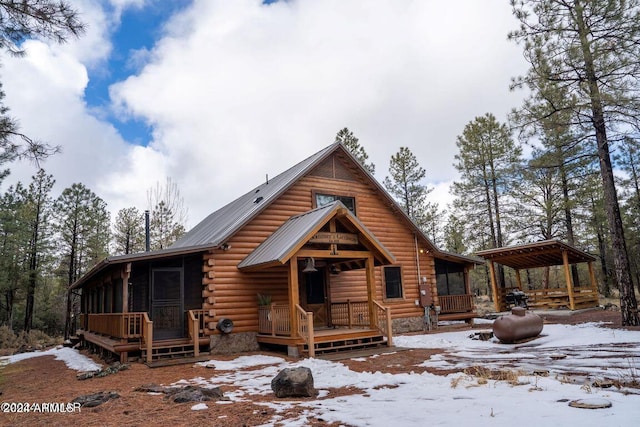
{"x": 166, "y": 303}
{"x": 314, "y": 297}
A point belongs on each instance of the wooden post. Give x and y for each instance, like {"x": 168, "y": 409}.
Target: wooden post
{"x": 294, "y": 295}
{"x": 494, "y": 287}
{"x": 519, "y": 279}
{"x": 195, "y": 334}
{"x": 349, "y": 313}
{"x": 272, "y": 315}
{"x": 149, "y": 338}
{"x": 371, "y": 291}
{"x": 387, "y": 311}
{"x": 569, "y": 280}
{"x": 310, "y": 338}
{"x": 126, "y": 273}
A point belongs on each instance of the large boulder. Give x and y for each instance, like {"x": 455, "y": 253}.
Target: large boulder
{"x": 294, "y": 382}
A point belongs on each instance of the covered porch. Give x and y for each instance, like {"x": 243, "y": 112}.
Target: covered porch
{"x": 152, "y": 309}
{"x": 327, "y": 253}
{"x": 542, "y": 254}
{"x": 125, "y": 333}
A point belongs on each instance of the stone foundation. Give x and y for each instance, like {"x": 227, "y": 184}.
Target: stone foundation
{"x": 233, "y": 343}
{"x": 407, "y": 324}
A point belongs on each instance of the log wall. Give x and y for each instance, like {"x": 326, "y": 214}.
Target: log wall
{"x": 231, "y": 293}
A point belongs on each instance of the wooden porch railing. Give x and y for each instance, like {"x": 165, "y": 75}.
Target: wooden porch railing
{"x": 455, "y": 303}
{"x": 350, "y": 313}
{"x": 124, "y": 326}
{"x": 384, "y": 324}
{"x": 195, "y": 318}
{"x": 305, "y": 328}
{"x": 274, "y": 320}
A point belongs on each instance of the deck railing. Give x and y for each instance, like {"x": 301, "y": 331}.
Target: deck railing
{"x": 195, "y": 319}
{"x": 350, "y": 313}
{"x": 384, "y": 324}
{"x": 274, "y": 320}
{"x": 124, "y": 326}
{"x": 305, "y": 328}
{"x": 455, "y": 303}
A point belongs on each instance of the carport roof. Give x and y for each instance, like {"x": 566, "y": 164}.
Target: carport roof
{"x": 534, "y": 255}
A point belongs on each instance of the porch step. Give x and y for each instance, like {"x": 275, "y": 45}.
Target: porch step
{"x": 203, "y": 357}
{"x": 350, "y": 344}
{"x": 170, "y": 350}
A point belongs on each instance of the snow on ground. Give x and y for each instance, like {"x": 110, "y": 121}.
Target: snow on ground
{"x": 72, "y": 358}
{"x": 412, "y": 399}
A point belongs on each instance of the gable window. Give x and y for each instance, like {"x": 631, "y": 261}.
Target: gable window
{"x": 325, "y": 199}
{"x": 393, "y": 282}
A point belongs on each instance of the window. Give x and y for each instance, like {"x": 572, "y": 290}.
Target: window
{"x": 393, "y": 282}
{"x": 450, "y": 278}
{"x": 325, "y": 199}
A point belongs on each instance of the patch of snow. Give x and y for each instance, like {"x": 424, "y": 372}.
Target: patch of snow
{"x": 71, "y": 357}
{"x": 199, "y": 407}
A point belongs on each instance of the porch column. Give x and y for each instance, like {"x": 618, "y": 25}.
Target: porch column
{"x": 494, "y": 287}
{"x": 294, "y": 294}
{"x": 569, "y": 280}
{"x": 126, "y": 273}
{"x": 371, "y": 291}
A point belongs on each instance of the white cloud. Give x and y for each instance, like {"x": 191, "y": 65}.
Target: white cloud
{"x": 236, "y": 90}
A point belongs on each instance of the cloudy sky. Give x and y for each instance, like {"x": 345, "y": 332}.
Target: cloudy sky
{"x": 217, "y": 94}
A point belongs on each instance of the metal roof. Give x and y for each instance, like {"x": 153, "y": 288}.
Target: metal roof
{"x": 534, "y": 255}
{"x": 279, "y": 247}
{"x": 218, "y": 227}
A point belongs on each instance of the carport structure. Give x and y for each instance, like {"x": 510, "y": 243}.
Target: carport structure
{"x": 542, "y": 254}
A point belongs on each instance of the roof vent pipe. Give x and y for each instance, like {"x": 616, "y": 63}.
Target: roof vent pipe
{"x": 147, "y": 236}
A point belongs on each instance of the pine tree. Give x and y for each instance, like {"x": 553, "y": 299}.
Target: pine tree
{"x": 590, "y": 49}
{"x": 405, "y": 184}
{"x": 82, "y": 223}
{"x": 129, "y": 231}
{"x": 37, "y": 213}
{"x": 348, "y": 139}
{"x": 488, "y": 162}
{"x": 21, "y": 20}
{"x": 168, "y": 214}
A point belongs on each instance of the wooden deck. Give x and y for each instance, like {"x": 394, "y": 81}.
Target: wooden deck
{"x": 329, "y": 340}
{"x": 122, "y": 333}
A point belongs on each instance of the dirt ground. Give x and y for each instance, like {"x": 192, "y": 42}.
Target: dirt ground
{"x": 43, "y": 379}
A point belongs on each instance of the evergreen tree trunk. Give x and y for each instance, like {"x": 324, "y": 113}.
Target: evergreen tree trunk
{"x": 33, "y": 273}
{"x": 628, "y": 303}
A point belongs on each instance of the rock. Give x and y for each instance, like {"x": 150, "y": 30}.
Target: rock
{"x": 155, "y": 388}
{"x": 114, "y": 368}
{"x": 197, "y": 394}
{"x": 294, "y": 382}
{"x": 95, "y": 399}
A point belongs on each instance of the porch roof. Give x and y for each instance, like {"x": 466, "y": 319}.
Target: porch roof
{"x": 278, "y": 248}
{"x": 534, "y": 255}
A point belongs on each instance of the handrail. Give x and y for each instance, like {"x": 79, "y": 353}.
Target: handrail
{"x": 455, "y": 303}
{"x": 147, "y": 336}
{"x": 305, "y": 328}
{"x": 384, "y": 321}
{"x": 350, "y": 313}
{"x": 196, "y": 328}
{"x": 274, "y": 320}
{"x": 124, "y": 326}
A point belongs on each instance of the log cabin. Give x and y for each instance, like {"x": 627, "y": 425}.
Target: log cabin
{"x": 317, "y": 259}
